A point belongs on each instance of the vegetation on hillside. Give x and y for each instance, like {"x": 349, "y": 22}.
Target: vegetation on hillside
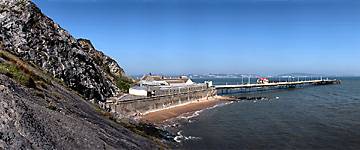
{"x": 20, "y": 71}
{"x": 14, "y": 72}
{"x": 123, "y": 83}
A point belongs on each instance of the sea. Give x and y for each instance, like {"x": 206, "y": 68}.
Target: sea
{"x": 310, "y": 117}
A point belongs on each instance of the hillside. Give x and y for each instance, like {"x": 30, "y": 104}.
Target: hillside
{"x": 32, "y": 36}
{"x": 47, "y": 78}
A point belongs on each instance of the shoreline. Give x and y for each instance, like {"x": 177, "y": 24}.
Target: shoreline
{"x": 161, "y": 115}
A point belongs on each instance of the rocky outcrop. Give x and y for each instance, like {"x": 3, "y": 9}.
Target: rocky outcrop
{"x": 109, "y": 65}
{"x": 32, "y": 36}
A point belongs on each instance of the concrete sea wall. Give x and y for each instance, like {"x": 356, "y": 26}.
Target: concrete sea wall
{"x": 142, "y": 105}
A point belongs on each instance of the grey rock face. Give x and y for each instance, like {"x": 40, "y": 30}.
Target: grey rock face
{"x": 109, "y": 65}
{"x": 56, "y": 118}
{"x": 32, "y": 36}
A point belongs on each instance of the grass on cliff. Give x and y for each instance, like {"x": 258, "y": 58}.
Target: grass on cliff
{"x": 14, "y": 72}
{"x": 18, "y": 70}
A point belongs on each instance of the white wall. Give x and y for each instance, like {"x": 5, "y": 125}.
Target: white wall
{"x": 137, "y": 92}
{"x": 189, "y": 82}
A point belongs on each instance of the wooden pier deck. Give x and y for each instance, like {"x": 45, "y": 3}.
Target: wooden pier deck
{"x": 224, "y": 88}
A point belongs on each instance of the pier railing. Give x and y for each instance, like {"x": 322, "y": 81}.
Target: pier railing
{"x": 224, "y": 88}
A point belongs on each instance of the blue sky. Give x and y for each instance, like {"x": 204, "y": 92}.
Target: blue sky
{"x": 218, "y": 36}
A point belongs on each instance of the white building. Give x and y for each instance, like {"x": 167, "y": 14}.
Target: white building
{"x": 138, "y": 91}
{"x": 158, "y": 85}
{"x": 162, "y": 81}
{"x": 209, "y": 83}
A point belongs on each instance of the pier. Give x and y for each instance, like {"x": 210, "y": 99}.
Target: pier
{"x": 157, "y": 97}
{"x": 227, "y": 89}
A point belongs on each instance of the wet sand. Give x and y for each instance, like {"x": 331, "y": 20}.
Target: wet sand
{"x": 175, "y": 111}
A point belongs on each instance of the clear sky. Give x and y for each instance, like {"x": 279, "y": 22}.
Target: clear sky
{"x": 218, "y": 36}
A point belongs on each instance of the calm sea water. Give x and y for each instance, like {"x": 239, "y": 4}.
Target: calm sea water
{"x": 316, "y": 117}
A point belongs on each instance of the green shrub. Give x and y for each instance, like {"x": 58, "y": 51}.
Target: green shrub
{"x": 123, "y": 83}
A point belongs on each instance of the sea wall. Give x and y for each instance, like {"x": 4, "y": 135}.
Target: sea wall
{"x": 146, "y": 104}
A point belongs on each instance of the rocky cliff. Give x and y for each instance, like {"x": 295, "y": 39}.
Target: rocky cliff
{"x": 29, "y": 34}
{"x": 45, "y": 74}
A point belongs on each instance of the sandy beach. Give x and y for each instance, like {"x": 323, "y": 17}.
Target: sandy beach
{"x": 175, "y": 111}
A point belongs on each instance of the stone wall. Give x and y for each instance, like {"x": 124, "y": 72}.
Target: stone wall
{"x": 132, "y": 107}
